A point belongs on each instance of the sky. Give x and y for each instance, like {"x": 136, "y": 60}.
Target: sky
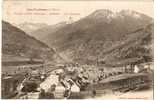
{"x": 52, "y": 12}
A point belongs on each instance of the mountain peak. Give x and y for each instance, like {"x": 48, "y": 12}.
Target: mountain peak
{"x": 108, "y": 14}
{"x": 101, "y": 13}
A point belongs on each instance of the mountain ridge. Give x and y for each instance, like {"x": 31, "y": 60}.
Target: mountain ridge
{"x": 86, "y": 40}
{"x": 16, "y": 42}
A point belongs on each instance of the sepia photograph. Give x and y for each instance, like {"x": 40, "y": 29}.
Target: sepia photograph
{"x": 93, "y": 50}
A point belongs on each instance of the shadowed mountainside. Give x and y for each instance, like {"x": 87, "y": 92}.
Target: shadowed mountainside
{"x": 17, "y": 42}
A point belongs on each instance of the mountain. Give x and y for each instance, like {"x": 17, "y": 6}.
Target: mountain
{"x": 101, "y": 25}
{"x": 16, "y": 42}
{"x": 44, "y": 32}
{"x": 29, "y": 27}
{"x": 102, "y": 35}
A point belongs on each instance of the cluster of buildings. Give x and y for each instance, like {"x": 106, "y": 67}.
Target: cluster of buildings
{"x": 15, "y": 68}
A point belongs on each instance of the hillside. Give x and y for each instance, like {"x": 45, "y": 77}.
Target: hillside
{"x": 17, "y": 42}
{"x": 103, "y": 35}
{"x": 44, "y": 32}
{"x": 30, "y": 27}
{"x": 152, "y": 45}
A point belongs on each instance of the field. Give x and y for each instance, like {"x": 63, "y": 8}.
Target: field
{"x": 137, "y": 95}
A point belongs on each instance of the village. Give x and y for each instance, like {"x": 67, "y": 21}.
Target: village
{"x": 38, "y": 80}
